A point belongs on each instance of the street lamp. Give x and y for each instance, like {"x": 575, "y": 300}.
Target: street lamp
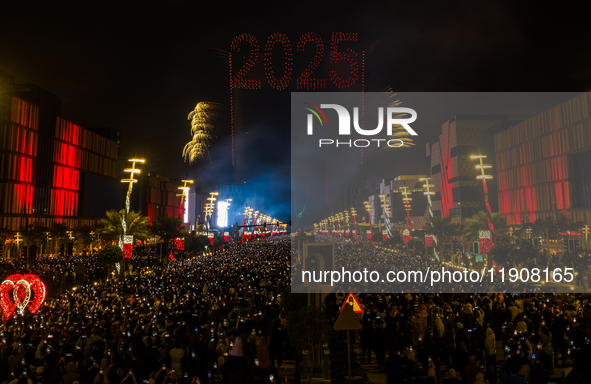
{"x": 406, "y": 200}
{"x": 212, "y": 200}
{"x": 483, "y": 238}
{"x": 183, "y": 214}
{"x": 483, "y": 176}
{"x": 132, "y": 171}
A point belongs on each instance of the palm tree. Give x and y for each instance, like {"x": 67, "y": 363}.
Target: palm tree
{"x": 479, "y": 222}
{"x": 59, "y": 235}
{"x": 112, "y": 229}
{"x": 524, "y": 251}
{"x": 168, "y": 228}
{"x": 83, "y": 237}
{"x": 443, "y": 230}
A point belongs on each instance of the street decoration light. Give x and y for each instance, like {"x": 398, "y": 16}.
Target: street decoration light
{"x": 368, "y": 209}
{"x": 429, "y": 193}
{"x": 488, "y": 244}
{"x": 183, "y": 212}
{"x": 407, "y": 207}
{"x": 354, "y": 214}
{"x": 586, "y": 232}
{"x": 386, "y": 207}
{"x": 19, "y": 292}
{"x": 131, "y": 180}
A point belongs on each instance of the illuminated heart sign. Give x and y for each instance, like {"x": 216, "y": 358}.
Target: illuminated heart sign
{"x": 16, "y": 292}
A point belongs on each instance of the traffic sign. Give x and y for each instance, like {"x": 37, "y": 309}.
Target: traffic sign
{"x": 353, "y": 302}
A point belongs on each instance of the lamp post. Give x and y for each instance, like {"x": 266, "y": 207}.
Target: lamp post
{"x": 354, "y": 214}
{"x": 430, "y": 193}
{"x": 211, "y": 200}
{"x": 228, "y": 200}
{"x": 586, "y": 233}
{"x": 407, "y": 207}
{"x": 483, "y": 176}
{"x": 132, "y": 171}
{"x": 184, "y": 196}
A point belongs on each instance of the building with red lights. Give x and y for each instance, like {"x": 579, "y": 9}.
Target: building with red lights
{"x": 544, "y": 164}
{"x": 160, "y": 197}
{"x": 457, "y": 191}
{"x": 51, "y": 170}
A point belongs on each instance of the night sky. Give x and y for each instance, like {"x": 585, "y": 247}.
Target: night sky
{"x": 141, "y": 67}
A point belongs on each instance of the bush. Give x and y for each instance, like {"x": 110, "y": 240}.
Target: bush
{"x": 111, "y": 254}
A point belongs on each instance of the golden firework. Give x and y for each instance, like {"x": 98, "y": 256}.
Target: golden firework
{"x": 201, "y": 130}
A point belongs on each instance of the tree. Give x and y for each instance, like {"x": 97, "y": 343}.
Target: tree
{"x": 523, "y": 251}
{"x": 443, "y": 229}
{"x": 111, "y": 226}
{"x": 501, "y": 253}
{"x": 110, "y": 255}
{"x": 308, "y": 330}
{"x": 83, "y": 237}
{"x": 417, "y": 245}
{"x": 168, "y": 228}
{"x": 196, "y": 243}
{"x": 394, "y": 240}
{"x": 59, "y": 235}
{"x": 479, "y": 222}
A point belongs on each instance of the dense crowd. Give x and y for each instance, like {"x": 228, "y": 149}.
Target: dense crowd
{"x": 413, "y": 336}
{"x": 201, "y": 320}
{"x": 218, "y": 319}
{"x": 363, "y": 254}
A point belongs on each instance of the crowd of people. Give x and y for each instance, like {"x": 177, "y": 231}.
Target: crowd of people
{"x": 439, "y": 337}
{"x": 199, "y": 320}
{"x": 219, "y": 319}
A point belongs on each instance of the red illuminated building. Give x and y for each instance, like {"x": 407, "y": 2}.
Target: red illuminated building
{"x": 51, "y": 170}
{"x": 544, "y": 164}
{"x": 541, "y": 165}
{"x": 457, "y": 191}
{"x": 160, "y": 197}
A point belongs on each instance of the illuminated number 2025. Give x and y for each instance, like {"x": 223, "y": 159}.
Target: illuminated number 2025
{"x": 238, "y": 80}
{"x": 284, "y": 41}
{"x": 304, "y": 81}
{"x": 339, "y": 59}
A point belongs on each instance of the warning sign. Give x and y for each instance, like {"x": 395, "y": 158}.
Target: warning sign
{"x": 353, "y": 302}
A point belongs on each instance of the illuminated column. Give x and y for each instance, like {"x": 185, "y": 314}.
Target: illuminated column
{"x": 354, "y": 214}
{"x": 132, "y": 171}
{"x": 183, "y": 208}
{"x": 406, "y": 200}
{"x": 211, "y": 200}
{"x": 484, "y": 177}
{"x": 348, "y": 230}
{"x": 429, "y": 193}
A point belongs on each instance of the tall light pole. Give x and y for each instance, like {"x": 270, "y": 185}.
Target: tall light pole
{"x": 228, "y": 200}
{"x": 430, "y": 193}
{"x": 132, "y": 171}
{"x": 407, "y": 208}
{"x": 211, "y": 200}
{"x": 483, "y": 176}
{"x": 354, "y": 214}
{"x": 184, "y": 196}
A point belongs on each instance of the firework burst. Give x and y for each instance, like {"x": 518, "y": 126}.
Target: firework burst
{"x": 201, "y": 130}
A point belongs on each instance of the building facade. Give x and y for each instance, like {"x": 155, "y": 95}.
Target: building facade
{"x": 50, "y": 167}
{"x": 544, "y": 165}
{"x": 457, "y": 191}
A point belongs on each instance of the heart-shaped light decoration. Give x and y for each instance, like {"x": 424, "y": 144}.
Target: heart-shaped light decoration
{"x": 16, "y": 292}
